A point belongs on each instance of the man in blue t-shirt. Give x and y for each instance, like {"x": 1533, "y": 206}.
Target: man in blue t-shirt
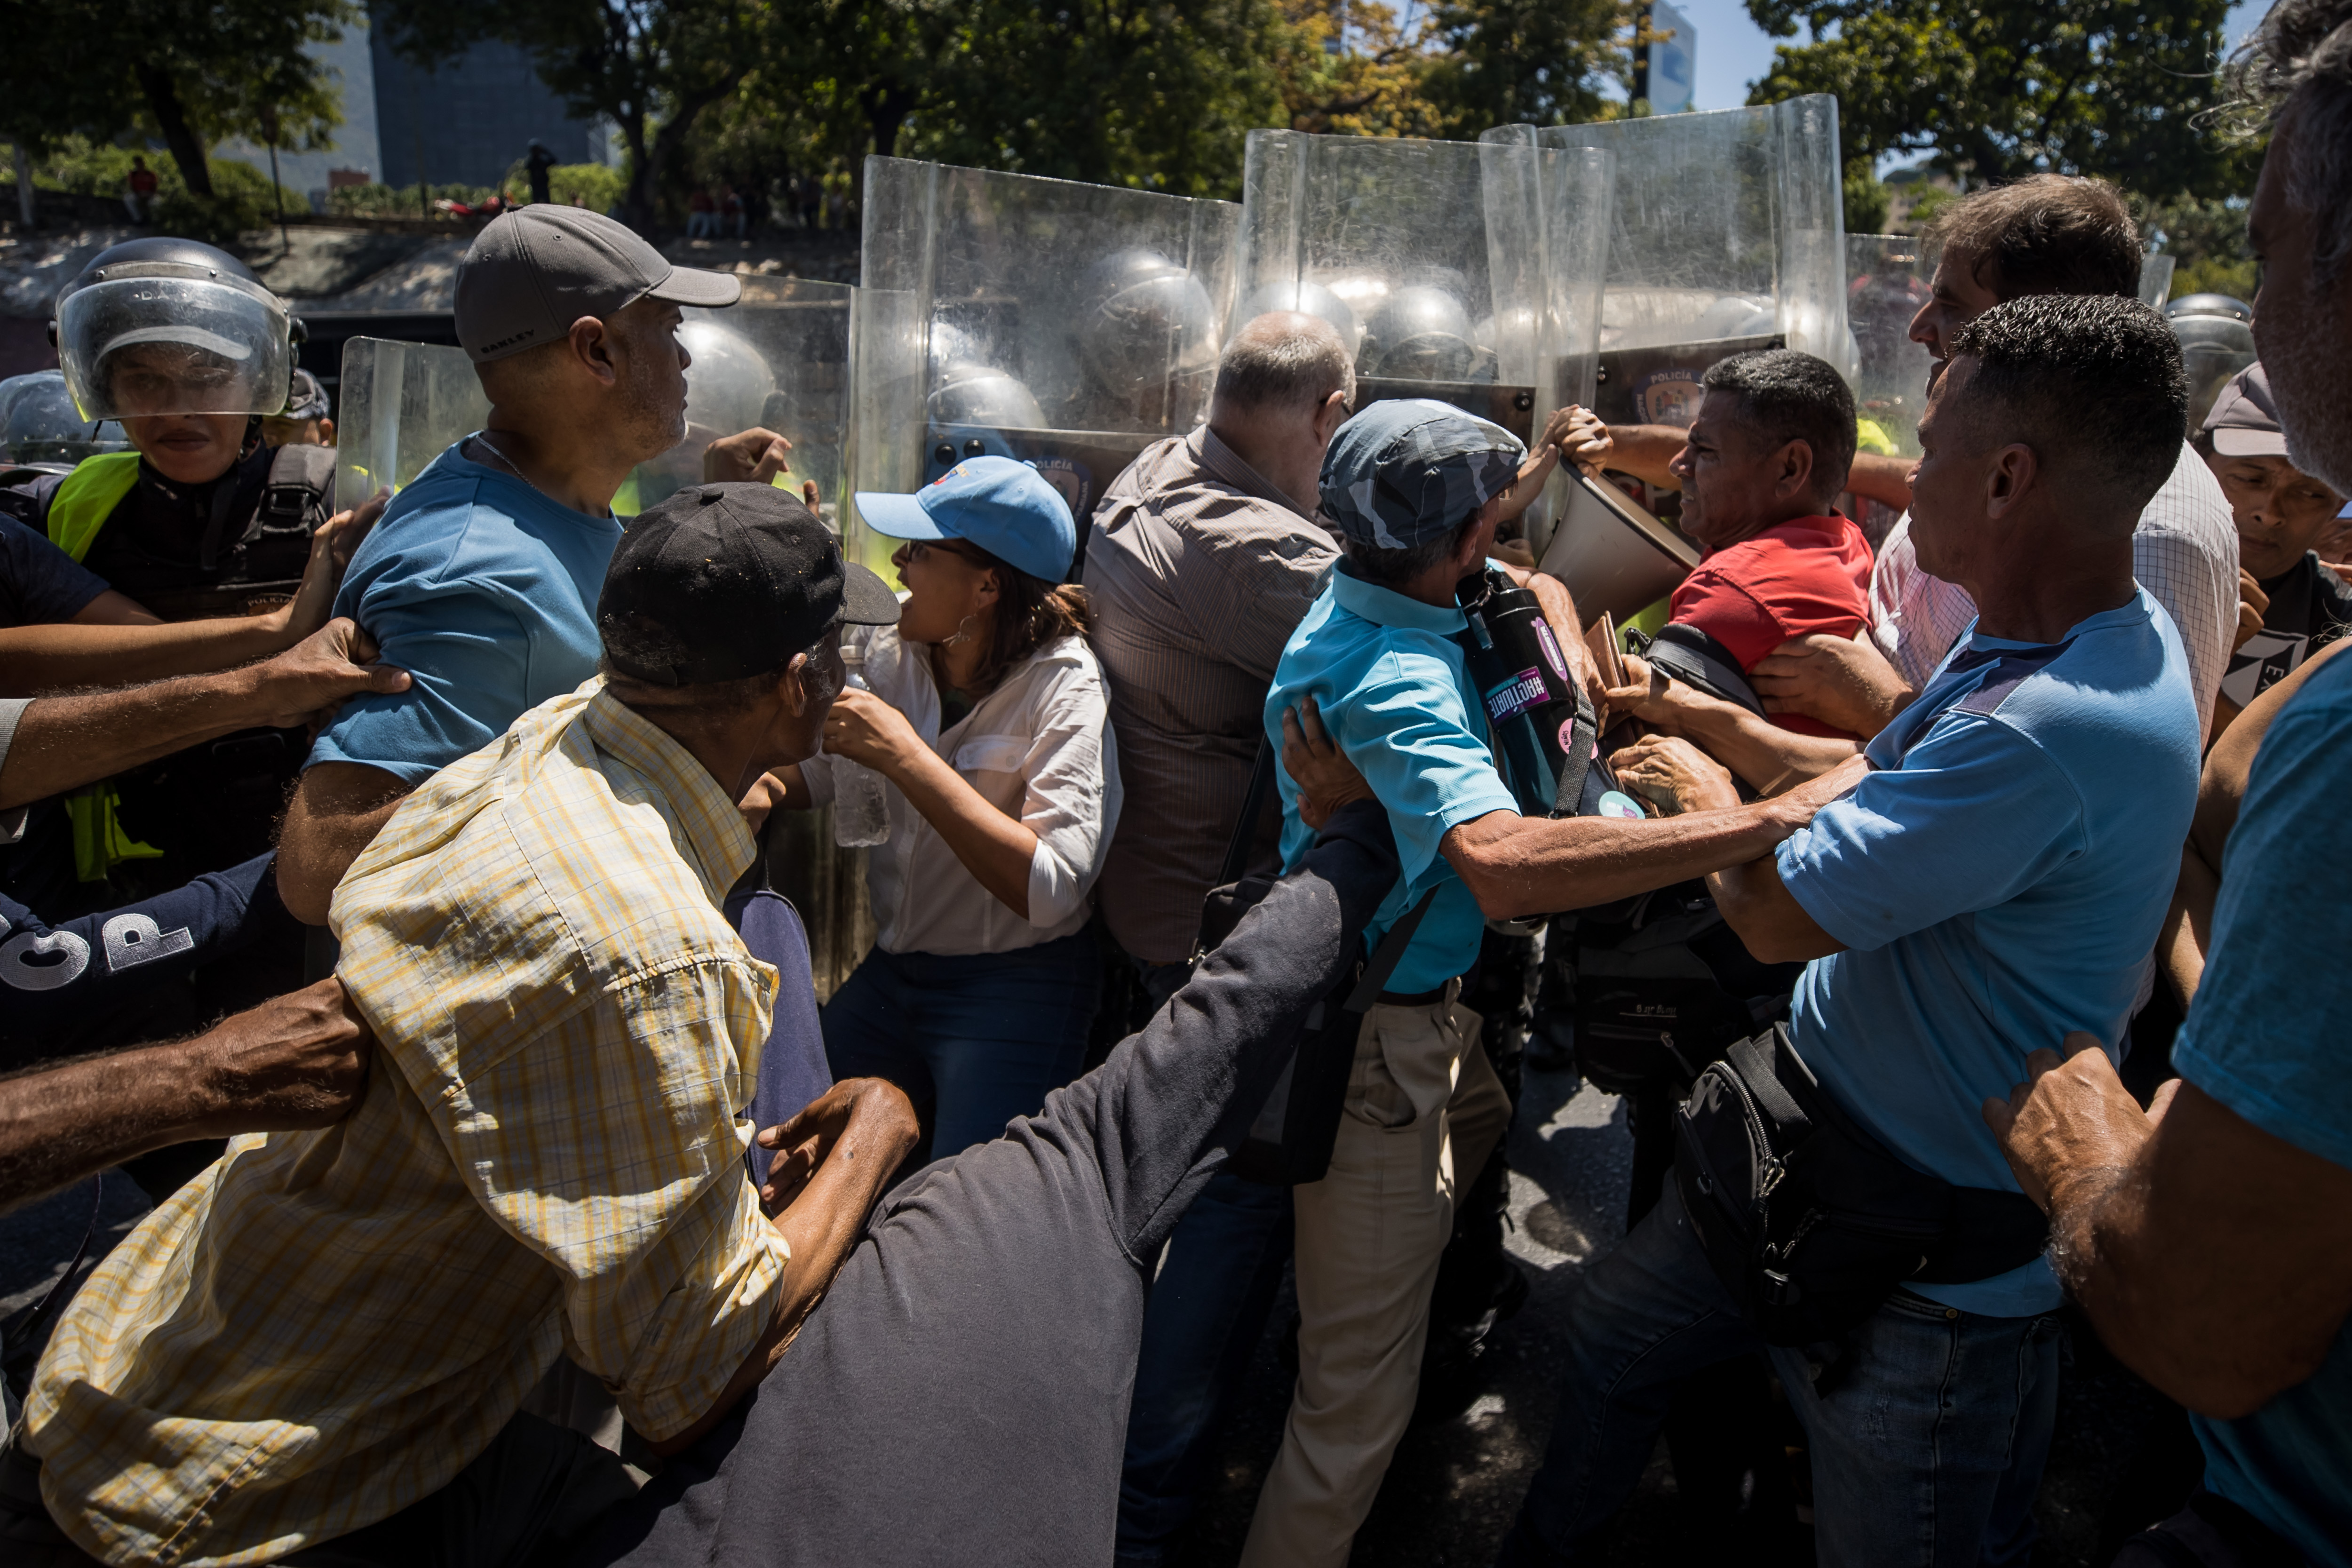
{"x": 1999, "y": 874}
{"x": 2210, "y": 1239}
{"x": 1416, "y": 488}
{"x": 481, "y": 580}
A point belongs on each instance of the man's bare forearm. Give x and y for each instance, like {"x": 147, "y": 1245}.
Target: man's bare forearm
{"x": 297, "y": 1060}
{"x": 60, "y": 1123}
{"x": 64, "y": 742}
{"x": 1765, "y": 756}
{"x": 1517, "y": 866}
{"x": 821, "y": 1227}
{"x": 34, "y": 660}
{"x": 1882, "y": 479}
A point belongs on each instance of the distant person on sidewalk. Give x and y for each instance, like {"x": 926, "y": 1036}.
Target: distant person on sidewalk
{"x": 538, "y": 164}
{"x": 139, "y": 192}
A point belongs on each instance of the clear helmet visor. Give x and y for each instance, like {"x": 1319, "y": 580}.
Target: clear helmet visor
{"x": 134, "y": 345}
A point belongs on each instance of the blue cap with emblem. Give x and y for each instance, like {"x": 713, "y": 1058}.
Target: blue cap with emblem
{"x": 1004, "y": 507}
{"x": 1406, "y": 470}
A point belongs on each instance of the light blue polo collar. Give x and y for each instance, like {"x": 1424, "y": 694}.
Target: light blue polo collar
{"x": 1387, "y": 608}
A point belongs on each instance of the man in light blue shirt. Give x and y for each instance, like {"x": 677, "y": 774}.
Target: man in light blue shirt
{"x": 484, "y": 572}
{"x": 1999, "y": 874}
{"x": 2208, "y": 1239}
{"x": 1416, "y": 488}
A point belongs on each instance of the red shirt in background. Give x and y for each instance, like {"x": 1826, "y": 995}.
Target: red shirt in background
{"x": 1808, "y": 574}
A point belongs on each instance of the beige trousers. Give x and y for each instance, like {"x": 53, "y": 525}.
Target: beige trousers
{"x": 1423, "y": 1112}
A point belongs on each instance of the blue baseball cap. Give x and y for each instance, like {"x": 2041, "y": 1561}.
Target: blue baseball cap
{"x": 1006, "y": 508}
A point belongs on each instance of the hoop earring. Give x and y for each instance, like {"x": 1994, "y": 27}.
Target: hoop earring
{"x": 960, "y": 634}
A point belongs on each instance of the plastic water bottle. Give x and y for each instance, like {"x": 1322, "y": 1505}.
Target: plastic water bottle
{"x": 861, "y": 808}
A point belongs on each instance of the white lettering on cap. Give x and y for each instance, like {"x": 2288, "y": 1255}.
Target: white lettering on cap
{"x": 18, "y": 970}
{"x": 134, "y": 939}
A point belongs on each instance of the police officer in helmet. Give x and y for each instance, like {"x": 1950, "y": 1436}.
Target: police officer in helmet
{"x": 188, "y": 350}
{"x": 181, "y": 345}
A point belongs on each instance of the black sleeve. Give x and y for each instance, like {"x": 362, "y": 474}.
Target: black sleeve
{"x": 2331, "y": 604}
{"x": 38, "y": 581}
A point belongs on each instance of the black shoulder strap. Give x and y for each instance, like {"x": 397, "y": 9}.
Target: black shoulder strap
{"x": 1386, "y": 956}
{"x": 1577, "y": 762}
{"x": 301, "y": 484}
{"x": 1261, "y": 781}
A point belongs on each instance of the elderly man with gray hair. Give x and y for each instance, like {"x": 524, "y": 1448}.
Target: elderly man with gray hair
{"x": 1203, "y": 556}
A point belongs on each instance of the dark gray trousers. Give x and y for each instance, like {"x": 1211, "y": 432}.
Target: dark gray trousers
{"x": 961, "y": 1395}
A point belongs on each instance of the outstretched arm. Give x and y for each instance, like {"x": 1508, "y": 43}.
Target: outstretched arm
{"x": 114, "y": 641}
{"x": 297, "y": 1061}
{"x": 62, "y": 743}
{"x": 1767, "y": 758}
{"x": 834, "y": 1158}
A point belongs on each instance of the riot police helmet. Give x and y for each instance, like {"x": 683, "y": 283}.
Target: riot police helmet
{"x": 39, "y": 424}
{"x": 1421, "y": 332}
{"x": 161, "y": 325}
{"x": 728, "y": 384}
{"x": 1144, "y": 319}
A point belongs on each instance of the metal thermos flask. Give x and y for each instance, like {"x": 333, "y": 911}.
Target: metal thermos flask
{"x": 1516, "y": 665}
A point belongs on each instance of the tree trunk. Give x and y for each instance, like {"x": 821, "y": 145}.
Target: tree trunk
{"x": 163, "y": 103}
{"x": 636, "y": 205}
{"x": 28, "y": 207}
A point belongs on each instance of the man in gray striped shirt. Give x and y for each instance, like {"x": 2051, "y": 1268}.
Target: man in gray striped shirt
{"x": 1203, "y": 558}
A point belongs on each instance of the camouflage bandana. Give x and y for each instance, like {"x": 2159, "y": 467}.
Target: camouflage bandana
{"x": 1407, "y": 470}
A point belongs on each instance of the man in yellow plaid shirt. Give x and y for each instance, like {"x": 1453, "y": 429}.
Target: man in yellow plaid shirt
{"x": 329, "y": 1338}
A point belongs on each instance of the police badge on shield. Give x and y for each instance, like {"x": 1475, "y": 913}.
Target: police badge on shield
{"x": 1669, "y": 396}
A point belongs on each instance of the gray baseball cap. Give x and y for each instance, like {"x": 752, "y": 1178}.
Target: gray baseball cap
{"x": 535, "y": 271}
{"x": 2244, "y": 422}
{"x": 1409, "y": 469}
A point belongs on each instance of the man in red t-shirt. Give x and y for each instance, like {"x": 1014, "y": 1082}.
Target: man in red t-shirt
{"x": 1759, "y": 471}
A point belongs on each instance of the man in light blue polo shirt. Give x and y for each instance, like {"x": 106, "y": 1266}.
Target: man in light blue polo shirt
{"x": 481, "y": 580}
{"x": 1416, "y": 488}
{"x": 1997, "y": 880}
{"x": 2208, "y": 1239}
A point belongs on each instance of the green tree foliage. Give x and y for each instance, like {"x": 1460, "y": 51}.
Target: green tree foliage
{"x": 2208, "y": 241}
{"x": 1540, "y": 62}
{"x": 187, "y": 72}
{"x": 1994, "y": 89}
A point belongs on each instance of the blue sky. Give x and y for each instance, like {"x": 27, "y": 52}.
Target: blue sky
{"x": 1734, "y": 52}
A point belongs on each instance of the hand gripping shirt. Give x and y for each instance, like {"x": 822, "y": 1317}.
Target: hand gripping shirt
{"x": 548, "y": 1161}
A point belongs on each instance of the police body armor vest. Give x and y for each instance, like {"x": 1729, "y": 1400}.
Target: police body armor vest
{"x": 244, "y": 562}
{"x": 213, "y": 804}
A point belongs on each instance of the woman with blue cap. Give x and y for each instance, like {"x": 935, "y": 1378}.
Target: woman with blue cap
{"x": 988, "y": 719}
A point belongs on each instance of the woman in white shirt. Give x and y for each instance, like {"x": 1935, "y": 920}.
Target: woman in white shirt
{"x": 989, "y": 720}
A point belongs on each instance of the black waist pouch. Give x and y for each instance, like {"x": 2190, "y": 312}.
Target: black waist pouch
{"x": 1812, "y": 1223}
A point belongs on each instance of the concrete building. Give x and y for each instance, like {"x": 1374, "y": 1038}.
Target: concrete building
{"x": 466, "y": 122}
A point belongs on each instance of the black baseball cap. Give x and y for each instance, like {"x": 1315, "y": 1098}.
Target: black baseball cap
{"x": 724, "y": 582}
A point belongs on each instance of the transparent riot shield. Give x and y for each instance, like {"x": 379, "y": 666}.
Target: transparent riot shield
{"x": 402, "y": 405}
{"x": 2156, "y": 279}
{"x": 1068, "y": 325}
{"x": 2217, "y": 342}
{"x": 1886, "y": 283}
{"x": 780, "y": 358}
{"x": 1728, "y": 233}
{"x": 1466, "y": 272}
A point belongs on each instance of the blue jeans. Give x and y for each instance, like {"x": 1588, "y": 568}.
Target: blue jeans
{"x": 1208, "y": 1307}
{"x": 1926, "y": 1455}
{"x": 975, "y": 1040}
{"x": 1200, "y": 1327}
